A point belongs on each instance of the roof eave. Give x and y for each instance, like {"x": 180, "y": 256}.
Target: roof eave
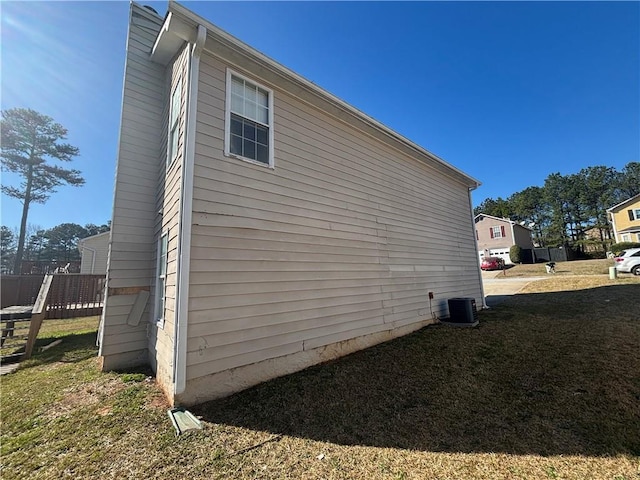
{"x": 625, "y": 203}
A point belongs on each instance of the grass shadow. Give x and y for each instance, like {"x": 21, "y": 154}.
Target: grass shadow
{"x": 546, "y": 374}
{"x": 75, "y": 347}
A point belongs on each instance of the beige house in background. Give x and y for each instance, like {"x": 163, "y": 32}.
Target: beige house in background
{"x": 625, "y": 220}
{"x": 496, "y": 236}
{"x": 260, "y": 224}
{"x": 94, "y": 251}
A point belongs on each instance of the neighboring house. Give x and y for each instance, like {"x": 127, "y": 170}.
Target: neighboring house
{"x": 94, "y": 252}
{"x": 496, "y": 236}
{"x": 596, "y": 238}
{"x": 260, "y": 224}
{"x": 625, "y": 220}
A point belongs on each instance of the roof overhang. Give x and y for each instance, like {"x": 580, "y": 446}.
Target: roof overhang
{"x": 173, "y": 34}
{"x": 477, "y": 218}
{"x": 181, "y": 26}
{"x": 624, "y": 204}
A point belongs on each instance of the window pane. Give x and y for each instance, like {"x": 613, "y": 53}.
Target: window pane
{"x": 263, "y": 135}
{"x": 250, "y": 110}
{"x": 250, "y": 130}
{"x": 263, "y": 154}
{"x": 236, "y": 145}
{"x": 175, "y": 104}
{"x": 237, "y": 86}
{"x": 236, "y": 125}
{"x": 237, "y": 104}
{"x": 163, "y": 265}
{"x": 263, "y": 115}
{"x": 250, "y": 92}
{"x": 161, "y": 297}
{"x": 263, "y": 98}
{"x": 249, "y": 149}
{"x": 173, "y": 146}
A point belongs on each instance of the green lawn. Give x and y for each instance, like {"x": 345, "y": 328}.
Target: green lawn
{"x": 548, "y": 386}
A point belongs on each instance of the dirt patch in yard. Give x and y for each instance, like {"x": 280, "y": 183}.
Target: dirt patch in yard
{"x": 86, "y": 395}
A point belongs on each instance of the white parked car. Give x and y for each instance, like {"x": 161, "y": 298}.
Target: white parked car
{"x": 628, "y": 261}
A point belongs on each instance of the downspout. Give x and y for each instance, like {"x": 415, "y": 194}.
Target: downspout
{"x": 475, "y": 241}
{"x": 513, "y": 233}
{"x": 186, "y": 208}
{"x": 615, "y": 229}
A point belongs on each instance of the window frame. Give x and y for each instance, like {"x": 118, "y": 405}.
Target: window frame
{"x": 227, "y": 124}
{"x": 174, "y": 123}
{"x": 160, "y": 302}
{"x": 497, "y": 231}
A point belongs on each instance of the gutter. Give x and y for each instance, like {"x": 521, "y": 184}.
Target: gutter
{"x": 186, "y": 209}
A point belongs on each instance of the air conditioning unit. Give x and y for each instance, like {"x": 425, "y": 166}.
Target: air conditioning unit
{"x": 463, "y": 311}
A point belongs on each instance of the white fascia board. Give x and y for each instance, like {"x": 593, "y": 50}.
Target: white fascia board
{"x": 173, "y": 34}
{"x": 308, "y": 92}
{"x": 623, "y": 204}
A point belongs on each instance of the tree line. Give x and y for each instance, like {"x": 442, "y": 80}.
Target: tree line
{"x": 54, "y": 246}
{"x": 566, "y": 207}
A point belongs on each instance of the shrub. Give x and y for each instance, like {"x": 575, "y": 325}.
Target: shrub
{"x": 515, "y": 254}
{"x": 617, "y": 248}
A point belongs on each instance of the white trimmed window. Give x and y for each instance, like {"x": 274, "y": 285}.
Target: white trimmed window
{"x": 174, "y": 123}
{"x": 497, "y": 232}
{"x": 161, "y": 277}
{"x": 249, "y": 120}
{"x": 634, "y": 214}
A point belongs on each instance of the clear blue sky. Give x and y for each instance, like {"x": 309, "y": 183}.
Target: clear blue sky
{"x": 508, "y": 92}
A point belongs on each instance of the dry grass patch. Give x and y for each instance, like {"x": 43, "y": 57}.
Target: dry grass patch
{"x": 547, "y": 387}
{"x": 578, "y": 267}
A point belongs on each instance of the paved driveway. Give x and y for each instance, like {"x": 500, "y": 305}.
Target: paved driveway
{"x": 498, "y": 287}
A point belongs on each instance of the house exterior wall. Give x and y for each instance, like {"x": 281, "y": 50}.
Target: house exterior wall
{"x": 624, "y": 218}
{"x": 94, "y": 253}
{"x": 123, "y": 338}
{"x": 510, "y": 234}
{"x": 522, "y": 236}
{"x": 333, "y": 250}
{"x": 168, "y": 203}
{"x": 486, "y": 242}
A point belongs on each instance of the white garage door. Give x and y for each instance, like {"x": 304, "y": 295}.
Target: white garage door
{"x": 502, "y": 253}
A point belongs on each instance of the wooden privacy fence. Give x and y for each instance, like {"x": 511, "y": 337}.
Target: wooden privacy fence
{"x": 71, "y": 295}
{"x": 19, "y": 289}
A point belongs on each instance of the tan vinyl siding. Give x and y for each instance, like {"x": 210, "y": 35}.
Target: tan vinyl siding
{"x": 344, "y": 238}
{"x": 131, "y": 265}
{"x": 169, "y": 180}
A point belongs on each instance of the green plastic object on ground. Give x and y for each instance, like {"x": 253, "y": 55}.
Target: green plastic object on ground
{"x": 183, "y": 420}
